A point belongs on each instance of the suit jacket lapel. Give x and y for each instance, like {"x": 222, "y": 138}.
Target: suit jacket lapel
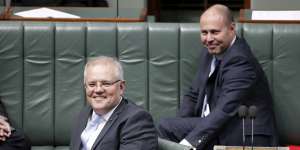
{"x": 203, "y": 81}
{"x": 207, "y": 65}
{"x": 218, "y": 85}
{"x": 204, "y": 77}
{"x": 82, "y": 124}
{"x": 113, "y": 118}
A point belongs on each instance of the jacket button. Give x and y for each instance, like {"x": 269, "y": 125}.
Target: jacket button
{"x": 199, "y": 141}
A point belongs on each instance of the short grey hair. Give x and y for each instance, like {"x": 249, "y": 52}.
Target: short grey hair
{"x": 92, "y": 61}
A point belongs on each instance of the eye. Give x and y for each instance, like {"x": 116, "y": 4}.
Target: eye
{"x": 214, "y": 32}
{"x": 91, "y": 84}
{"x": 203, "y": 32}
{"x": 106, "y": 83}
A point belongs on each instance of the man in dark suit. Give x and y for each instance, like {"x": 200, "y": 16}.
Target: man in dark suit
{"x": 228, "y": 76}
{"x": 110, "y": 121}
{"x": 10, "y": 138}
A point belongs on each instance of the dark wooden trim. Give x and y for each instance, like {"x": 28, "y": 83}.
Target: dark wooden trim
{"x": 143, "y": 14}
{"x": 242, "y": 15}
{"x": 247, "y": 4}
{"x": 6, "y": 13}
{"x": 154, "y": 8}
{"x": 205, "y": 4}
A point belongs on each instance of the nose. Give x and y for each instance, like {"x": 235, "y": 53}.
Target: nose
{"x": 209, "y": 37}
{"x": 99, "y": 88}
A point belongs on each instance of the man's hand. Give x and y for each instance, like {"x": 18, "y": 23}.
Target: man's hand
{"x": 5, "y": 129}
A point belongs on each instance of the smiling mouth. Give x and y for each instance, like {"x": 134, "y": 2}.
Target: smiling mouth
{"x": 211, "y": 47}
{"x": 99, "y": 98}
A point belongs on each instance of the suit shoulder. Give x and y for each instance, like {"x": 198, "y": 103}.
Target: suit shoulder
{"x": 240, "y": 50}
{"x": 134, "y": 109}
{"x": 134, "y": 106}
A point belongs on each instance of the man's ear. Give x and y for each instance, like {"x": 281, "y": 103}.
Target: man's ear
{"x": 122, "y": 85}
{"x": 232, "y": 26}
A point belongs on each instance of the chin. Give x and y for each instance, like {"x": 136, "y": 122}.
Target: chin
{"x": 215, "y": 51}
{"x": 212, "y": 52}
{"x": 98, "y": 104}
{"x": 98, "y": 107}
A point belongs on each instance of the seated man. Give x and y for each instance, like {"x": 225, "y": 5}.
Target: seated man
{"x": 10, "y": 138}
{"x": 228, "y": 76}
{"x": 110, "y": 121}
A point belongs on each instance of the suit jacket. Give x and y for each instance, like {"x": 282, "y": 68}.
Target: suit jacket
{"x": 129, "y": 128}
{"x": 240, "y": 81}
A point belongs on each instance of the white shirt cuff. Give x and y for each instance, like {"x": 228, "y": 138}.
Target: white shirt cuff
{"x": 186, "y": 143}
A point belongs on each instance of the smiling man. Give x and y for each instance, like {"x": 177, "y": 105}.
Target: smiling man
{"x": 110, "y": 121}
{"x": 228, "y": 76}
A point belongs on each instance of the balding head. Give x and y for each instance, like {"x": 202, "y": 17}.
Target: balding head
{"x": 217, "y": 29}
{"x": 219, "y": 10}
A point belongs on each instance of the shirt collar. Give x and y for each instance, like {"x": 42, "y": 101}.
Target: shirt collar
{"x": 234, "y": 38}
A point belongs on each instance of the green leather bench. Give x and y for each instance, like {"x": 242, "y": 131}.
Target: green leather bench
{"x": 41, "y": 77}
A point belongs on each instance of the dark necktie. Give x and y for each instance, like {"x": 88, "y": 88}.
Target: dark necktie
{"x": 209, "y": 89}
{"x": 210, "y": 85}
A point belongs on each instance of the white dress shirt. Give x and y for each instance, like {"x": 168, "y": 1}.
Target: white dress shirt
{"x": 89, "y": 135}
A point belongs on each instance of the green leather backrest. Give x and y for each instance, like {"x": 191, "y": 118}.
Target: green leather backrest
{"x": 286, "y": 78}
{"x": 41, "y": 78}
{"x": 276, "y": 47}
